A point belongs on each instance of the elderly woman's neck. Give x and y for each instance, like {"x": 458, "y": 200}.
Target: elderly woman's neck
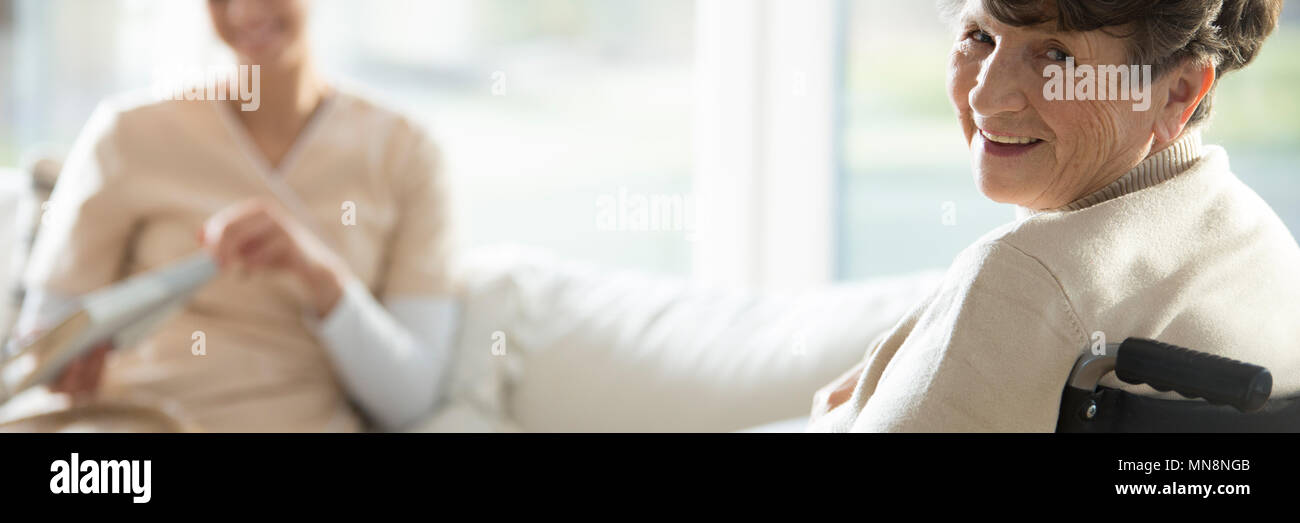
{"x": 1162, "y": 163}
{"x": 1160, "y": 147}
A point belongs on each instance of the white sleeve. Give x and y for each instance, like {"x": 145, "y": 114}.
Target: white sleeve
{"x": 393, "y": 359}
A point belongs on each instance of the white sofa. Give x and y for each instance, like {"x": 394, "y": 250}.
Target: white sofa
{"x": 591, "y": 349}
{"x": 555, "y": 345}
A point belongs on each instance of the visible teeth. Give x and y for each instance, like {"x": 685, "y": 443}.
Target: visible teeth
{"x": 1008, "y": 139}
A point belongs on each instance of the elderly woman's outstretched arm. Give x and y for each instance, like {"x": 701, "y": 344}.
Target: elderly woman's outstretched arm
{"x": 990, "y": 352}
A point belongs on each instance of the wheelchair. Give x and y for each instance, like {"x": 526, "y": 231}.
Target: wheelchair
{"x": 1231, "y": 396}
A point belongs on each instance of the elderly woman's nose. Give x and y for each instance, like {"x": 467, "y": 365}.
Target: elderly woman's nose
{"x": 999, "y": 87}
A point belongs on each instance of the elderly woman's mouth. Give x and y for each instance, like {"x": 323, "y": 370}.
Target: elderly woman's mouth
{"x": 1007, "y": 145}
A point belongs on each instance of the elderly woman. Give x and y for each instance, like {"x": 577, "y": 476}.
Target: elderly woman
{"x": 1128, "y": 225}
{"x": 328, "y": 213}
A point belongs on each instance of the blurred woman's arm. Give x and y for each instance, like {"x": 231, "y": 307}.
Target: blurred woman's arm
{"x": 396, "y": 361}
{"x": 82, "y": 242}
{"x": 393, "y": 358}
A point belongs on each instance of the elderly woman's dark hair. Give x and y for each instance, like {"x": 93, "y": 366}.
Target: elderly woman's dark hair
{"x": 1161, "y": 33}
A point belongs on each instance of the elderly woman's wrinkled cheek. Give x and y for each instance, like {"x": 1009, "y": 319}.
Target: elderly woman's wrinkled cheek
{"x": 1088, "y": 137}
{"x": 963, "y": 72}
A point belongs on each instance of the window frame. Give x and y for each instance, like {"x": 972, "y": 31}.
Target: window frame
{"x": 768, "y": 127}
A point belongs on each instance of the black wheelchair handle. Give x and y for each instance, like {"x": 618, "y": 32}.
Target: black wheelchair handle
{"x": 1219, "y": 380}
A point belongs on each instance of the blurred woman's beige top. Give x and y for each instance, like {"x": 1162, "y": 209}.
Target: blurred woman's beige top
{"x": 144, "y": 177}
{"x": 1178, "y": 249}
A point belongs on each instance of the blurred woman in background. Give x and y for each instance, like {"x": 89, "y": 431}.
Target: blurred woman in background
{"x": 328, "y": 214}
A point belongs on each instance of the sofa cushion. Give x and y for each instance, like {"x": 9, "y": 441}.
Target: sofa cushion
{"x": 591, "y": 349}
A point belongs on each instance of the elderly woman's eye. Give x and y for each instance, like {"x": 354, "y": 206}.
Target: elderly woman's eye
{"x": 1057, "y": 55}
{"x": 980, "y": 36}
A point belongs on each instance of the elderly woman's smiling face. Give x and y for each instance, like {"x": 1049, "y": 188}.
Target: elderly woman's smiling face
{"x": 996, "y": 79}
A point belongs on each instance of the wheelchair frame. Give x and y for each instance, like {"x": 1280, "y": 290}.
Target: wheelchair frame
{"x": 1231, "y": 396}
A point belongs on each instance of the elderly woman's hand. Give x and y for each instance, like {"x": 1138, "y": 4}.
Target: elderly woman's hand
{"x": 836, "y": 392}
{"x": 258, "y": 235}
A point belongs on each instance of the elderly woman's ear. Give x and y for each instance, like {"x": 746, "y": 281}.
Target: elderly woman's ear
{"x": 1186, "y": 85}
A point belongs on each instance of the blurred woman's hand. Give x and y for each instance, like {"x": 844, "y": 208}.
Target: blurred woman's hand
{"x": 80, "y": 379}
{"x": 257, "y": 235}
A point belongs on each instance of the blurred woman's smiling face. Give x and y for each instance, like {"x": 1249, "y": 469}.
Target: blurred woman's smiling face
{"x": 264, "y": 32}
{"x": 1028, "y": 150}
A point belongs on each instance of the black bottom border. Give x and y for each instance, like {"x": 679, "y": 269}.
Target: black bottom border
{"x": 436, "y": 473}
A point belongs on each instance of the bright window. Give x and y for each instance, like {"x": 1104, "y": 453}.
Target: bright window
{"x": 548, "y": 110}
{"x": 808, "y": 135}
{"x": 908, "y": 201}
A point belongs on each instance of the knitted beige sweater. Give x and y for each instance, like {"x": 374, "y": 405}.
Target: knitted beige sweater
{"x": 1178, "y": 249}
